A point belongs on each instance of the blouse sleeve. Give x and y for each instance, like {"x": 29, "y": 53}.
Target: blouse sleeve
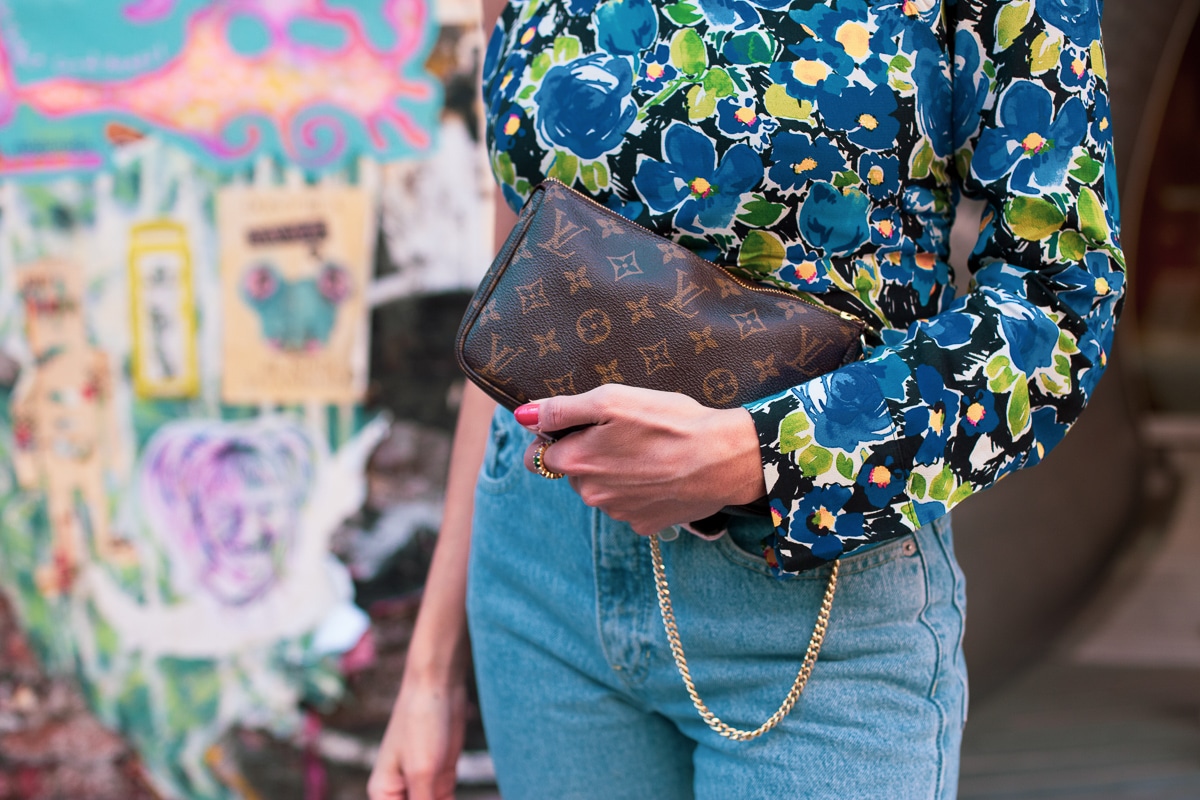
{"x": 945, "y": 409}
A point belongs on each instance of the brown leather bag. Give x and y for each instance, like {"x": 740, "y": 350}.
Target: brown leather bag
{"x": 579, "y": 296}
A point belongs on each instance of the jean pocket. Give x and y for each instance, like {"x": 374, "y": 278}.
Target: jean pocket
{"x": 503, "y": 459}
{"x": 741, "y": 547}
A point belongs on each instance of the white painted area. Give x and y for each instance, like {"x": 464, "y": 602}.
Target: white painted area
{"x": 305, "y": 597}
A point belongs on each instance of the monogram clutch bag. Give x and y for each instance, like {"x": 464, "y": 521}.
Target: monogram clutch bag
{"x": 580, "y": 296}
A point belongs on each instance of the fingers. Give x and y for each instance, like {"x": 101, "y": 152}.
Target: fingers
{"x": 563, "y": 413}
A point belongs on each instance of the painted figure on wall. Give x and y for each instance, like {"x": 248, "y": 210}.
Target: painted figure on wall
{"x": 62, "y": 412}
{"x": 227, "y": 502}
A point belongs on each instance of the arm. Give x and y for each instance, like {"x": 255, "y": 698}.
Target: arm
{"x": 420, "y": 748}
{"x": 993, "y": 382}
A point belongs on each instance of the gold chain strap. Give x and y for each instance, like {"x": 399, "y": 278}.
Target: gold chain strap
{"x": 806, "y": 668}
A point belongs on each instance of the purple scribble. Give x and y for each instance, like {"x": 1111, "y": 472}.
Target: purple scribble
{"x": 226, "y": 501}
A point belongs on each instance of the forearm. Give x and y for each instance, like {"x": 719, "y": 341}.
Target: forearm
{"x": 438, "y": 652}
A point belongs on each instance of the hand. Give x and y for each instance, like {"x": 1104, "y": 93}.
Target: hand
{"x": 651, "y": 459}
{"x": 420, "y": 749}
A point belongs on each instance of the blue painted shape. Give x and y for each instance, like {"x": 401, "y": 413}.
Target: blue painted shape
{"x": 321, "y": 34}
{"x": 375, "y": 24}
{"x": 89, "y": 38}
{"x": 248, "y": 35}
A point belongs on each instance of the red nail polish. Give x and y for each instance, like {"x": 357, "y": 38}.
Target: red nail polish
{"x": 527, "y": 415}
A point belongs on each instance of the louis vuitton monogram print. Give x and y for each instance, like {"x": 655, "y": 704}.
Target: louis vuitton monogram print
{"x": 593, "y": 326}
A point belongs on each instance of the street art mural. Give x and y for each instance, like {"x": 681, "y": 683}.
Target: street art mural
{"x": 201, "y": 202}
{"x": 313, "y": 82}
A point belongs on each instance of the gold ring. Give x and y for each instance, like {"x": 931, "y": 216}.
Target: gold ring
{"x": 539, "y": 462}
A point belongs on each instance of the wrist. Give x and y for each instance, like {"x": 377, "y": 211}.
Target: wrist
{"x": 747, "y": 482}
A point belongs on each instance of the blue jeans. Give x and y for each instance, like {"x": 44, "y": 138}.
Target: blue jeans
{"x": 581, "y": 698}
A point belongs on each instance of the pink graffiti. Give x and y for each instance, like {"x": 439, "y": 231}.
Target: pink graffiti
{"x": 228, "y": 102}
{"x": 225, "y": 499}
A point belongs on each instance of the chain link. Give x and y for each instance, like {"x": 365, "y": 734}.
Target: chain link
{"x": 793, "y": 695}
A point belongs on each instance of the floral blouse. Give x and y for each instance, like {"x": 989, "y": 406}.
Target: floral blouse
{"x": 822, "y": 146}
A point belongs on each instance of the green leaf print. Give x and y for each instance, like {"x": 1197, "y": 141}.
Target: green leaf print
{"x": 1099, "y": 65}
{"x": 942, "y": 485}
{"x": 1067, "y": 344}
{"x": 847, "y": 178}
{"x": 1000, "y": 374}
{"x": 814, "y": 461}
{"x": 754, "y": 47}
{"x": 564, "y": 168}
{"x": 1011, "y": 22}
{"x": 587, "y": 174}
{"x": 1086, "y": 169}
{"x": 1045, "y": 53}
{"x": 540, "y": 65}
{"x": 1091, "y": 216}
{"x": 761, "y": 252}
{"x": 717, "y": 82}
{"x": 1018, "y": 406}
{"x": 1032, "y": 218}
{"x": 921, "y": 162}
{"x": 684, "y": 13}
{"x": 701, "y": 104}
{"x": 760, "y": 213}
{"x": 916, "y": 485}
{"x": 566, "y": 48}
{"x": 782, "y": 105}
{"x": 1072, "y": 246}
{"x": 961, "y": 493}
{"x": 688, "y": 53}
{"x": 792, "y": 432}
{"x": 845, "y": 467}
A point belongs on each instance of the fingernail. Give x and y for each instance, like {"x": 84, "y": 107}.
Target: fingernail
{"x": 527, "y": 414}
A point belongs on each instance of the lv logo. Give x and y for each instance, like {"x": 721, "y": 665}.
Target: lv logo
{"x": 564, "y": 232}
{"x": 502, "y": 356}
{"x": 686, "y": 293}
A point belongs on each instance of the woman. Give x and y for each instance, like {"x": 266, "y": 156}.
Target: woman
{"x": 819, "y": 146}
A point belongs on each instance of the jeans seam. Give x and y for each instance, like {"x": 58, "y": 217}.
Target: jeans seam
{"x": 931, "y": 694}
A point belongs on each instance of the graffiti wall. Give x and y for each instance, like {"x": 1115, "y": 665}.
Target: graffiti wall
{"x": 222, "y": 306}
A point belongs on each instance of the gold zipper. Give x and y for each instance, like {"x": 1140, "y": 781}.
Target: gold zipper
{"x": 754, "y": 287}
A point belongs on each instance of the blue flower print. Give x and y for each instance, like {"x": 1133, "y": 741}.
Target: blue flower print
{"x": 1101, "y": 129}
{"x": 866, "y": 115}
{"x": 705, "y": 193}
{"x": 505, "y": 83}
{"x": 1092, "y": 280}
{"x": 835, "y": 221}
{"x": 738, "y": 119}
{"x": 656, "y": 71}
{"x": 817, "y": 521}
{"x": 626, "y": 27}
{"x": 950, "y": 330}
{"x": 737, "y": 14}
{"x": 1031, "y": 337}
{"x": 886, "y": 227}
{"x": 1074, "y": 71}
{"x": 881, "y": 174}
{"x": 1078, "y": 20}
{"x": 585, "y": 105}
{"x": 971, "y": 85}
{"x": 799, "y": 159}
{"x": 806, "y": 270}
{"x": 1031, "y": 142}
{"x": 979, "y": 413}
{"x": 511, "y": 125}
{"x": 581, "y": 8}
{"x": 923, "y": 271}
{"x": 818, "y": 68}
{"x": 881, "y": 480}
{"x": 935, "y": 418}
{"x": 847, "y": 407}
{"x": 629, "y": 211}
